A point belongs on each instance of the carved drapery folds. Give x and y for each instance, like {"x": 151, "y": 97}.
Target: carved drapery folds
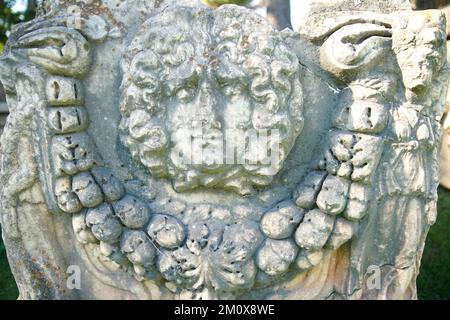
{"x": 354, "y": 190}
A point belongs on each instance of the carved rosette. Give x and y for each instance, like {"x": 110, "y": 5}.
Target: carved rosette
{"x": 228, "y": 69}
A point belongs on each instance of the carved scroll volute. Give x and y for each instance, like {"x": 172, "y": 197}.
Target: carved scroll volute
{"x": 349, "y": 42}
{"x": 355, "y": 47}
{"x": 58, "y": 50}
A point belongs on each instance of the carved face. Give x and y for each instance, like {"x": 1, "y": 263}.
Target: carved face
{"x": 211, "y": 101}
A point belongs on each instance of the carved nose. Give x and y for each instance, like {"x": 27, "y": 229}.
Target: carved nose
{"x": 206, "y": 97}
{"x": 206, "y": 116}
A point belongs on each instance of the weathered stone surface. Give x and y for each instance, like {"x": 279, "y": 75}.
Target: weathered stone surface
{"x": 308, "y": 259}
{"x": 132, "y": 212}
{"x": 138, "y": 248}
{"x": 343, "y": 231}
{"x": 103, "y": 224}
{"x": 167, "y": 231}
{"x": 275, "y": 256}
{"x": 358, "y": 202}
{"x": 314, "y": 231}
{"x": 306, "y": 193}
{"x": 280, "y": 222}
{"x": 332, "y": 199}
{"x": 81, "y": 229}
{"x": 173, "y": 151}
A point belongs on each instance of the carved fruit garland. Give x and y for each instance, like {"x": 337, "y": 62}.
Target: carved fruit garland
{"x": 213, "y": 253}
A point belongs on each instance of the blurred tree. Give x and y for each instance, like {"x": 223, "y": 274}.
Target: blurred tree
{"x": 279, "y": 13}
{"x": 429, "y": 4}
{"x": 8, "y": 17}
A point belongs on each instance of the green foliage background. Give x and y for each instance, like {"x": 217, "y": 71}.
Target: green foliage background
{"x": 8, "y": 288}
{"x": 8, "y": 17}
{"x": 434, "y": 279}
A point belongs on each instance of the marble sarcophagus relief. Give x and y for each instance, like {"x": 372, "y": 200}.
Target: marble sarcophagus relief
{"x": 169, "y": 151}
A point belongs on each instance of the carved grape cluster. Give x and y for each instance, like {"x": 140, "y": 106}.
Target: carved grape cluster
{"x": 330, "y": 201}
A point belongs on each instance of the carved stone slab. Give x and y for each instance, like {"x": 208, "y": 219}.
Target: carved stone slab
{"x": 160, "y": 150}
